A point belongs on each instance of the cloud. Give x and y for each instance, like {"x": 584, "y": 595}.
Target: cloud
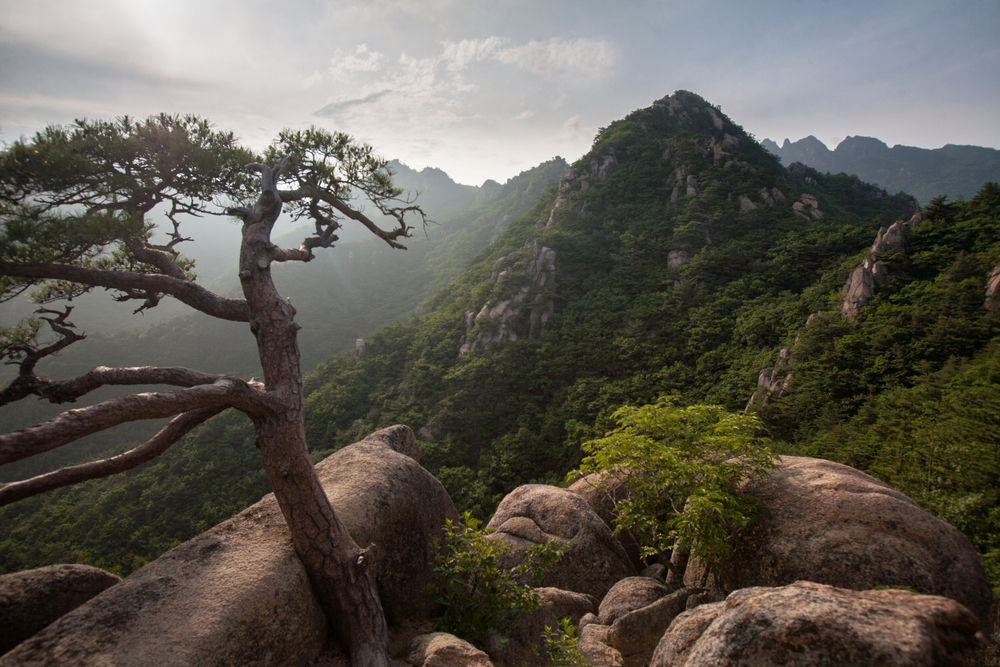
{"x": 573, "y": 130}
{"x": 458, "y": 55}
{"x": 338, "y": 109}
{"x": 312, "y": 80}
{"x": 541, "y": 57}
{"x": 454, "y": 88}
{"x": 360, "y": 60}
{"x": 558, "y": 55}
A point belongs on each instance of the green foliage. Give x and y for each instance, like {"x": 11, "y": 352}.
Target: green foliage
{"x": 477, "y": 596}
{"x": 79, "y": 195}
{"x": 680, "y": 468}
{"x": 562, "y": 646}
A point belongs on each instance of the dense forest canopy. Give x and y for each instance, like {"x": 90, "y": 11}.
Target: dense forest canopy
{"x": 678, "y": 257}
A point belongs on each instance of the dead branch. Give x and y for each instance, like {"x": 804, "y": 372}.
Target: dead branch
{"x": 25, "y": 355}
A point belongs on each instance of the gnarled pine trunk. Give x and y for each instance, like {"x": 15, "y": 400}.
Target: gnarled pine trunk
{"x": 329, "y": 554}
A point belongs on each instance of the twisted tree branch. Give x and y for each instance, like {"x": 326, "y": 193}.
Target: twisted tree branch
{"x": 182, "y": 289}
{"x": 311, "y": 192}
{"x": 159, "y": 443}
{"x": 224, "y": 392}
{"x": 67, "y": 391}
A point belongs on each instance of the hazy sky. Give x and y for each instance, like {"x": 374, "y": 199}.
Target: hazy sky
{"x": 485, "y": 89}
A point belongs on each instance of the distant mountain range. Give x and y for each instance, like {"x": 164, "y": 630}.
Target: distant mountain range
{"x": 955, "y": 171}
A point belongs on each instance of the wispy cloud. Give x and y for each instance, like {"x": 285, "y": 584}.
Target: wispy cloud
{"x": 312, "y": 80}
{"x": 559, "y": 55}
{"x": 573, "y": 130}
{"x": 458, "y": 55}
{"x": 343, "y": 65}
{"x": 437, "y": 89}
{"x": 338, "y": 109}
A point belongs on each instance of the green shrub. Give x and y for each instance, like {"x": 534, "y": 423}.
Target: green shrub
{"x": 562, "y": 646}
{"x": 680, "y": 467}
{"x": 477, "y": 596}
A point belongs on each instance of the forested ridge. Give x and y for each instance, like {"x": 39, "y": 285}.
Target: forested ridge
{"x": 676, "y": 258}
{"x": 955, "y": 171}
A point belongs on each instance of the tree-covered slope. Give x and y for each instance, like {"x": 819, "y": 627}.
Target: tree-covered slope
{"x": 680, "y": 266}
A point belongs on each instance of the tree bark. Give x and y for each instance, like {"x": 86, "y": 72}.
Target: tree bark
{"x": 329, "y": 554}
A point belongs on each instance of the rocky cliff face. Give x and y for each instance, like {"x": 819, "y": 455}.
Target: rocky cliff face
{"x": 873, "y": 272}
{"x": 992, "y": 301}
{"x": 528, "y": 278}
{"x": 774, "y": 382}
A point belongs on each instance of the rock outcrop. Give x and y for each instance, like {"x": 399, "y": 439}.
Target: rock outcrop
{"x": 235, "y": 595}
{"x": 567, "y": 603}
{"x": 772, "y": 382}
{"x": 861, "y": 285}
{"x": 992, "y": 301}
{"x": 873, "y": 272}
{"x": 530, "y": 274}
{"x": 636, "y": 634}
{"x": 385, "y": 498}
{"x": 600, "y": 171}
{"x": 813, "y": 625}
{"x": 595, "y": 646}
{"x": 562, "y": 196}
{"x": 677, "y": 259}
{"x": 536, "y": 514}
{"x": 628, "y": 595}
{"x": 829, "y": 523}
{"x": 807, "y": 208}
{"x": 31, "y": 600}
{"x": 238, "y": 594}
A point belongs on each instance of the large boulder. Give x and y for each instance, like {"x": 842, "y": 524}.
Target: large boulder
{"x": 385, "y": 498}
{"x": 567, "y": 603}
{"x": 832, "y": 524}
{"x": 238, "y": 594}
{"x": 536, "y": 514}
{"x": 32, "y": 599}
{"x": 595, "y": 646}
{"x": 603, "y": 492}
{"x": 814, "y": 625}
{"x": 636, "y": 634}
{"x": 628, "y": 595}
{"x": 235, "y": 595}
